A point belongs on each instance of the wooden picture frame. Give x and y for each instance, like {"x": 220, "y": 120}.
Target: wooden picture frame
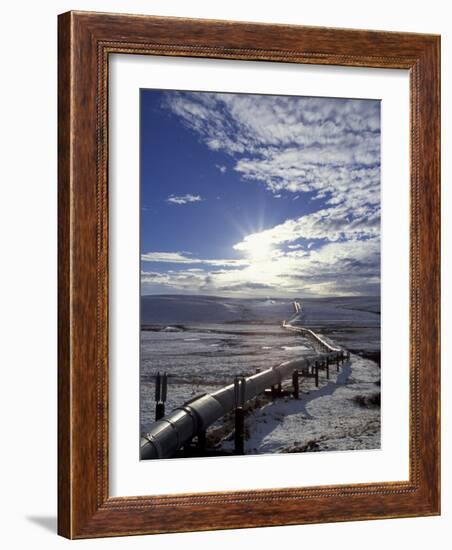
{"x": 85, "y": 508}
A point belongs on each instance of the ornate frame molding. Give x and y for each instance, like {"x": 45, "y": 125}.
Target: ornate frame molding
{"x": 85, "y": 42}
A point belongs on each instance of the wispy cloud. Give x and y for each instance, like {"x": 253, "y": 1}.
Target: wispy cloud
{"x": 291, "y": 143}
{"x": 327, "y": 147}
{"x": 329, "y": 224}
{"x": 348, "y": 267}
{"x": 183, "y": 199}
{"x": 183, "y": 258}
{"x": 323, "y": 150}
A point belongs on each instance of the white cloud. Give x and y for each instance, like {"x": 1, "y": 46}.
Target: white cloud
{"x": 329, "y": 148}
{"x": 330, "y": 224}
{"x": 326, "y": 146}
{"x": 183, "y": 258}
{"x": 322, "y": 130}
{"x": 336, "y": 268}
{"x": 183, "y": 199}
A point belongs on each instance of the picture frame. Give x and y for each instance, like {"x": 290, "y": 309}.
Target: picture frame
{"x": 85, "y": 508}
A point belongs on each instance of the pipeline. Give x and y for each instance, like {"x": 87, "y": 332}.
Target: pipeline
{"x": 178, "y": 428}
{"x": 302, "y": 330}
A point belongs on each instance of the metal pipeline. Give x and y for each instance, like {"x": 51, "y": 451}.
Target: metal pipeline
{"x": 170, "y": 433}
{"x": 302, "y": 330}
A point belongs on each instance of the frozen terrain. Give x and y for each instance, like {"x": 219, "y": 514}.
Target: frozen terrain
{"x": 202, "y": 342}
{"x": 340, "y": 415}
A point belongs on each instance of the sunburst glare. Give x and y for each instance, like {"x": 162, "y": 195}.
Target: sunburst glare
{"x": 257, "y": 247}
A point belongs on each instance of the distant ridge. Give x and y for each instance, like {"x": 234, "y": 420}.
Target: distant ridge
{"x": 164, "y": 309}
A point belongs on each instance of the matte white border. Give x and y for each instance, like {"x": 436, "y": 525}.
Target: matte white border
{"x": 129, "y": 476}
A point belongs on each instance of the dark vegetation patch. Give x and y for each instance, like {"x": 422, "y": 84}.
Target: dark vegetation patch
{"x": 308, "y": 447}
{"x": 160, "y": 328}
{"x": 374, "y": 356}
{"x": 368, "y": 401}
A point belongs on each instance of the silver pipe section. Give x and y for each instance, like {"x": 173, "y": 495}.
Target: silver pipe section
{"x": 302, "y": 330}
{"x": 175, "y": 430}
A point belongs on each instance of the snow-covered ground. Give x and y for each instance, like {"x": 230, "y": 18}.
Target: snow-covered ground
{"x": 206, "y": 357}
{"x": 339, "y": 415}
{"x": 203, "y": 342}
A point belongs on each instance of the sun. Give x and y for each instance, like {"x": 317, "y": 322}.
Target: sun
{"x": 258, "y": 248}
{"x": 260, "y": 251}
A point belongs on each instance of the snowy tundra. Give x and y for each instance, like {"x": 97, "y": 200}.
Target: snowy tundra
{"x": 202, "y": 342}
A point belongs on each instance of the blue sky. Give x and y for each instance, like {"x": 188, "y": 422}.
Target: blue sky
{"x": 245, "y": 195}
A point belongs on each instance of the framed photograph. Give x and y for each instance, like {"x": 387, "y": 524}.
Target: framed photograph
{"x": 248, "y": 275}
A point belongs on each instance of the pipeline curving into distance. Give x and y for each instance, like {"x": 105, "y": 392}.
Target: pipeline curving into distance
{"x": 178, "y": 428}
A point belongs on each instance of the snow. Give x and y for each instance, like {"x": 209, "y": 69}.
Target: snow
{"x": 323, "y": 419}
{"x": 203, "y": 342}
{"x": 295, "y": 349}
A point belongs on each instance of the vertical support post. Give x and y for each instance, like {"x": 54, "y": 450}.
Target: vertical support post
{"x": 327, "y": 368}
{"x": 164, "y": 387}
{"x": 316, "y": 368}
{"x": 239, "y": 436}
{"x": 159, "y": 410}
{"x": 202, "y": 440}
{"x": 158, "y": 385}
{"x": 161, "y": 386}
{"x": 239, "y": 397}
{"x": 279, "y": 389}
{"x": 296, "y": 385}
{"x": 337, "y": 362}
